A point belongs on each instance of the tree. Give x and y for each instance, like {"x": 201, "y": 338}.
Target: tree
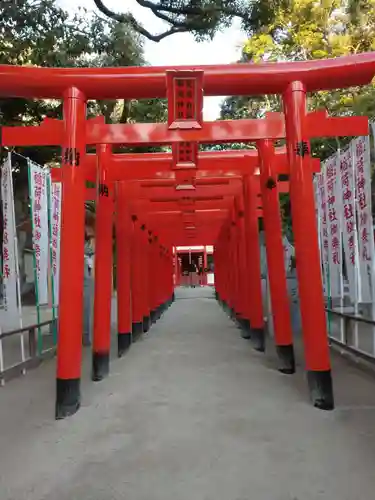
{"x": 287, "y": 30}
{"x": 296, "y": 31}
{"x": 39, "y": 33}
{"x": 203, "y": 18}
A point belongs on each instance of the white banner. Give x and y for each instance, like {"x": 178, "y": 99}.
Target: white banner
{"x": 10, "y": 272}
{"x": 288, "y": 254}
{"x": 318, "y": 221}
{"x": 322, "y": 207}
{"x": 333, "y": 211}
{"x": 38, "y": 182}
{"x": 349, "y": 221}
{"x": 55, "y": 218}
{"x": 362, "y": 170}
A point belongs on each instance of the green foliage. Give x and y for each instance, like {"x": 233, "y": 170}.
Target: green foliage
{"x": 202, "y": 18}
{"x": 226, "y": 147}
{"x": 306, "y": 29}
{"x": 39, "y": 33}
{"x": 297, "y": 30}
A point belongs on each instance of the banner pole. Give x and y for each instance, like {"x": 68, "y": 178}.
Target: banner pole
{"x": 2, "y": 381}
{"x": 50, "y": 220}
{"x": 16, "y": 265}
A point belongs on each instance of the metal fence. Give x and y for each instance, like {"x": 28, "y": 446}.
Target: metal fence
{"x": 353, "y": 332}
{"x": 26, "y": 344}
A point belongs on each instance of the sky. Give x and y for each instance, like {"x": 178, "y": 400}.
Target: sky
{"x": 179, "y": 49}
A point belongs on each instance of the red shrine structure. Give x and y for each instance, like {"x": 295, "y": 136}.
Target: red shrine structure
{"x": 188, "y": 197}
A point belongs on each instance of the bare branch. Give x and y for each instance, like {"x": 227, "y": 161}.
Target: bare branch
{"x": 130, "y": 19}
{"x": 192, "y": 11}
{"x": 201, "y": 20}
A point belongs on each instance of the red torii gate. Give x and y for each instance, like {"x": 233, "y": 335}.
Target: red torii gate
{"x": 281, "y": 164}
{"x": 203, "y": 180}
{"x": 283, "y": 332}
{"x": 245, "y": 160}
{"x": 292, "y": 80}
{"x": 278, "y": 259}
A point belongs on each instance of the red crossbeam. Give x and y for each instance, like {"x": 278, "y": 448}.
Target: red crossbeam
{"x": 149, "y": 82}
{"x": 317, "y": 124}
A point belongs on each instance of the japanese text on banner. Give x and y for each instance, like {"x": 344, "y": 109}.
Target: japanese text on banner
{"x": 361, "y": 152}
{"x": 55, "y": 218}
{"x": 317, "y": 214}
{"x": 39, "y": 213}
{"x": 349, "y": 221}
{"x": 10, "y": 301}
{"x": 322, "y": 205}
{"x": 333, "y": 210}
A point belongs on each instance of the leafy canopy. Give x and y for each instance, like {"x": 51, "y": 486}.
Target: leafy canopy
{"x": 203, "y": 18}
{"x": 297, "y": 30}
{"x": 40, "y": 33}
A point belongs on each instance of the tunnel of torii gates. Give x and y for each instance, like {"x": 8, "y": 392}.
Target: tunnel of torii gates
{"x": 159, "y": 200}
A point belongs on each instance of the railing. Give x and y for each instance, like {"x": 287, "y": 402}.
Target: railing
{"x": 36, "y": 352}
{"x": 354, "y": 333}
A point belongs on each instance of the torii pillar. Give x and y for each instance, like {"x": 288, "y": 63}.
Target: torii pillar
{"x": 275, "y": 258}
{"x": 103, "y": 268}
{"x": 244, "y": 297}
{"x": 256, "y": 332}
{"x": 124, "y": 236}
{"x": 146, "y": 323}
{"x": 137, "y": 275}
{"x": 70, "y": 321}
{"x": 314, "y": 323}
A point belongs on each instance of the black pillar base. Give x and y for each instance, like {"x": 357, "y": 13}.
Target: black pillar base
{"x": 287, "y": 363}
{"x": 146, "y": 324}
{"x": 238, "y": 319}
{"x": 321, "y": 389}
{"x": 160, "y": 311}
{"x": 258, "y": 339}
{"x": 100, "y": 366}
{"x": 216, "y": 295}
{"x": 68, "y": 397}
{"x": 173, "y": 297}
{"x": 124, "y": 341}
{"x": 157, "y": 313}
{"x": 153, "y": 317}
{"x": 137, "y": 330}
{"x": 243, "y": 323}
{"x": 245, "y": 329}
